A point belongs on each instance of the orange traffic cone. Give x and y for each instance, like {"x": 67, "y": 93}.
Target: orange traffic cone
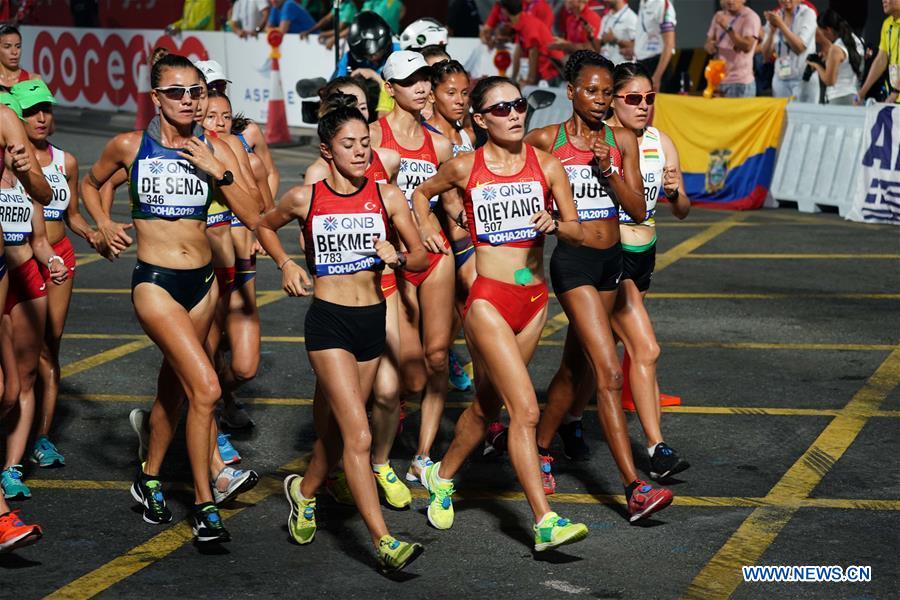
{"x": 628, "y": 400}
{"x": 146, "y": 110}
{"x": 276, "y": 123}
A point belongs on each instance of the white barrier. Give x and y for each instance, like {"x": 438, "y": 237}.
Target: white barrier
{"x": 820, "y": 156}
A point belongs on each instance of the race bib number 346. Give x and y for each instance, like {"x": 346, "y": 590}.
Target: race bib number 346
{"x": 170, "y": 188}
{"x": 503, "y": 211}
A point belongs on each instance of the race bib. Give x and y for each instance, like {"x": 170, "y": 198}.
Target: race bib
{"x": 591, "y": 197}
{"x": 60, "y": 187}
{"x": 171, "y": 188}
{"x": 345, "y": 243}
{"x": 503, "y": 211}
{"x": 784, "y": 68}
{"x": 413, "y": 173}
{"x": 894, "y": 76}
{"x": 15, "y": 216}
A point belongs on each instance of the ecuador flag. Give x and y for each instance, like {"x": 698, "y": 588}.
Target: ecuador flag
{"x": 727, "y": 146}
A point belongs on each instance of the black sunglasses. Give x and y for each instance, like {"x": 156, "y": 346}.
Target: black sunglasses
{"x": 502, "y": 109}
{"x": 177, "y": 92}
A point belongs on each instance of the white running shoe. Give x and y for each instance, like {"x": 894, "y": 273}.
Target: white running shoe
{"x": 238, "y": 483}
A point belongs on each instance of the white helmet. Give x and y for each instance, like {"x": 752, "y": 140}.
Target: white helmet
{"x": 423, "y": 32}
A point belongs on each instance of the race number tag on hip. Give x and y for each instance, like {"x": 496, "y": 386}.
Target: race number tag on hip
{"x": 15, "y": 216}
{"x": 591, "y": 197}
{"x": 60, "y": 187}
{"x": 413, "y": 173}
{"x": 345, "y": 243}
{"x": 894, "y": 76}
{"x": 784, "y": 69}
{"x": 503, "y": 211}
{"x": 170, "y": 188}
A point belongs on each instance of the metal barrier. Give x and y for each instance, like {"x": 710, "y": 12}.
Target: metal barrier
{"x": 819, "y": 156}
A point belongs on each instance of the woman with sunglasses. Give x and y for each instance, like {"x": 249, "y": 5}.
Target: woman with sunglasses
{"x": 383, "y": 168}
{"x": 450, "y": 100}
{"x": 11, "y": 71}
{"x": 347, "y": 221}
{"x": 61, "y": 171}
{"x": 507, "y": 186}
{"x": 175, "y": 172}
{"x": 661, "y": 170}
{"x": 603, "y": 167}
{"x": 426, "y": 313}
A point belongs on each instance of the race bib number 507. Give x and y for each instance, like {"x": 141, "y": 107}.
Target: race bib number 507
{"x": 503, "y": 211}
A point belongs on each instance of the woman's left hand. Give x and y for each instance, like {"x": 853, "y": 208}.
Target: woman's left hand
{"x": 199, "y": 154}
{"x": 545, "y": 223}
{"x": 58, "y": 272}
{"x": 387, "y": 253}
{"x": 670, "y": 182}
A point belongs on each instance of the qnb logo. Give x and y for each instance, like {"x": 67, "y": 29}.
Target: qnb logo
{"x": 330, "y": 224}
{"x": 100, "y": 68}
{"x": 156, "y": 167}
{"x": 404, "y": 166}
{"x": 490, "y": 193}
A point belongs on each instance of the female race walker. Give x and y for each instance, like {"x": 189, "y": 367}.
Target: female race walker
{"x": 426, "y": 308}
{"x": 603, "y": 168}
{"x": 661, "y": 170}
{"x": 346, "y": 220}
{"x": 61, "y": 171}
{"x": 383, "y": 168}
{"x": 507, "y": 187}
{"x": 173, "y": 179}
{"x": 11, "y": 72}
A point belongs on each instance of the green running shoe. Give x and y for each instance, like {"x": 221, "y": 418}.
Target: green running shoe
{"x": 45, "y": 454}
{"x": 302, "y": 522}
{"x": 395, "y": 492}
{"x": 440, "y": 505}
{"x": 554, "y": 531}
{"x": 11, "y": 482}
{"x": 394, "y": 555}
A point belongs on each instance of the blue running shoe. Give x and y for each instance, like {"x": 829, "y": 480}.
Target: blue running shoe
{"x": 230, "y": 456}
{"x": 11, "y": 482}
{"x": 459, "y": 379}
{"x": 46, "y": 455}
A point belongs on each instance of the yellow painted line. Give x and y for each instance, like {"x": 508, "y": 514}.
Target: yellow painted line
{"x": 732, "y": 256}
{"x": 104, "y": 357}
{"x": 722, "y": 574}
{"x": 780, "y": 346}
{"x": 738, "y": 296}
{"x": 105, "y": 336}
{"x": 685, "y": 248}
{"x": 162, "y": 544}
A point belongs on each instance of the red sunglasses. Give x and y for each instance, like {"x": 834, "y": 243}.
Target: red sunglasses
{"x": 635, "y": 98}
{"x": 502, "y": 109}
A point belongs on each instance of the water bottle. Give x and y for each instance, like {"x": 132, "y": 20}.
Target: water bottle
{"x": 685, "y": 86}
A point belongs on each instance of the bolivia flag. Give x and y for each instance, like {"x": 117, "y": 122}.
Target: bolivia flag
{"x": 727, "y": 146}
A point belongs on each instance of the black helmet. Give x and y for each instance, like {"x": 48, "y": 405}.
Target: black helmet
{"x": 369, "y": 36}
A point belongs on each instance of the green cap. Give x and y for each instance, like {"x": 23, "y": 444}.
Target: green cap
{"x": 10, "y": 101}
{"x": 32, "y": 92}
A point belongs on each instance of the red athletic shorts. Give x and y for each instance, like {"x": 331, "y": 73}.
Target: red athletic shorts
{"x": 388, "y": 284}
{"x": 63, "y": 248}
{"x": 416, "y": 278}
{"x": 517, "y": 304}
{"x": 25, "y": 283}
{"x": 225, "y": 279}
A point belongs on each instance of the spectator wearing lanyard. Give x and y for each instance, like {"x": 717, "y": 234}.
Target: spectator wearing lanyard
{"x": 888, "y": 56}
{"x": 654, "y": 41}
{"x": 389, "y": 10}
{"x": 248, "y": 17}
{"x": 844, "y": 63}
{"x": 326, "y": 33}
{"x": 618, "y": 31}
{"x": 792, "y": 37}
{"x": 534, "y": 38}
{"x": 536, "y": 8}
{"x": 580, "y": 27}
{"x": 196, "y": 15}
{"x": 733, "y": 36}
{"x": 289, "y": 17}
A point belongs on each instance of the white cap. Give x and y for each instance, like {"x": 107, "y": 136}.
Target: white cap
{"x": 212, "y": 70}
{"x": 423, "y": 32}
{"x": 403, "y": 63}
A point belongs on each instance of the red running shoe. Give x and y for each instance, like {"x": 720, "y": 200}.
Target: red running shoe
{"x": 547, "y": 477}
{"x": 646, "y": 500}
{"x": 16, "y": 534}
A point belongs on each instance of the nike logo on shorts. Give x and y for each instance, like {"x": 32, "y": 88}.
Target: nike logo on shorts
{"x": 207, "y": 280}
{"x": 533, "y": 298}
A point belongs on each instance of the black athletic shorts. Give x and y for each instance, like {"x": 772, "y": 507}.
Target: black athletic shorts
{"x": 575, "y": 266}
{"x": 639, "y": 267}
{"x": 186, "y": 286}
{"x": 357, "y": 329}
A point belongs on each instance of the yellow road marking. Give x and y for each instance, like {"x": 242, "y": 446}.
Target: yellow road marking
{"x": 733, "y": 256}
{"x": 104, "y": 357}
{"x": 692, "y": 243}
{"x": 722, "y": 574}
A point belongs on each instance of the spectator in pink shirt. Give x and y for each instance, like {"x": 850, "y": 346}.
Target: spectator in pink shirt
{"x": 733, "y": 36}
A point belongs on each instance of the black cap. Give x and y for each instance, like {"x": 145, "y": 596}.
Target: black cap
{"x": 369, "y": 36}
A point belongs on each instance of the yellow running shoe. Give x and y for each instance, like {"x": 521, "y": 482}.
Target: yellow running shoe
{"x": 396, "y": 494}
{"x": 338, "y": 488}
{"x": 440, "y": 506}
{"x": 394, "y": 555}
{"x": 554, "y": 531}
{"x": 302, "y": 522}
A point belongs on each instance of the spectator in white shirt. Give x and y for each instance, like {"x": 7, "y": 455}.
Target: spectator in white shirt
{"x": 617, "y": 32}
{"x": 791, "y": 38}
{"x": 654, "y": 39}
{"x": 249, "y": 17}
{"x": 844, "y": 62}
{"x": 733, "y": 35}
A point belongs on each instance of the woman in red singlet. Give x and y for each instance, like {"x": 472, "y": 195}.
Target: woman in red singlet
{"x": 11, "y": 72}
{"x": 507, "y": 188}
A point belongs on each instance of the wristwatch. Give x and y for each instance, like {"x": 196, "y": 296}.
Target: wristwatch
{"x": 401, "y": 260}
{"x": 729, "y": 29}
{"x": 227, "y": 179}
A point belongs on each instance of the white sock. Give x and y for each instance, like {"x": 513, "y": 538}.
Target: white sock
{"x": 437, "y": 476}
{"x": 651, "y": 449}
{"x": 570, "y": 418}
{"x": 376, "y": 467}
